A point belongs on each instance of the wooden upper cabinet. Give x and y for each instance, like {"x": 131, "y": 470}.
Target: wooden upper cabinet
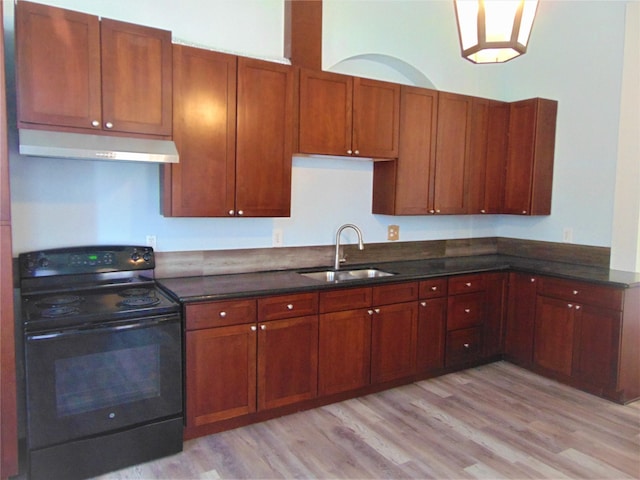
{"x": 204, "y": 130}
{"x": 529, "y": 171}
{"x": 78, "y": 73}
{"x": 487, "y": 155}
{"x": 452, "y": 153}
{"x": 347, "y": 116}
{"x": 233, "y": 128}
{"x": 264, "y": 142}
{"x": 136, "y": 78}
{"x": 405, "y": 187}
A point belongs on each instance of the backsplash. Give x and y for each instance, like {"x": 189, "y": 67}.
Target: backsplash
{"x": 218, "y": 262}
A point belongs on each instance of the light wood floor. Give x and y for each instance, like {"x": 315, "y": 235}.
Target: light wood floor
{"x": 495, "y": 421}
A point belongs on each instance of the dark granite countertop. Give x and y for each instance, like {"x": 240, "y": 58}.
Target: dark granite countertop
{"x": 220, "y": 287}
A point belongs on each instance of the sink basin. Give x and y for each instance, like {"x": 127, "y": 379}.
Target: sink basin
{"x": 333, "y": 276}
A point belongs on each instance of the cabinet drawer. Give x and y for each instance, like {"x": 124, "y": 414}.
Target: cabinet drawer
{"x": 582, "y": 292}
{"x": 287, "y": 306}
{"x": 345, "y": 299}
{"x": 465, "y": 311}
{"x": 395, "y": 293}
{"x": 433, "y": 288}
{"x": 466, "y": 284}
{"x": 220, "y": 314}
{"x": 463, "y": 346}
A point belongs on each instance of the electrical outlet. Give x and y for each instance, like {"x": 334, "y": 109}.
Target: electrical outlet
{"x": 151, "y": 241}
{"x": 567, "y": 235}
{"x": 393, "y": 232}
{"x": 277, "y": 240}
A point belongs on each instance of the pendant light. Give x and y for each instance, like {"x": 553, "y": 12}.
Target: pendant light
{"x": 494, "y": 31}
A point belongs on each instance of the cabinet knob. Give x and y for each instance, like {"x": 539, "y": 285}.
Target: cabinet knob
{"x": 349, "y": 152}
{"x": 483, "y": 211}
{"x": 467, "y": 310}
{"x": 437, "y": 210}
{"x": 253, "y": 328}
{"x": 108, "y": 125}
{"x": 432, "y": 211}
{"x": 357, "y": 152}
{"x": 231, "y": 212}
{"x": 524, "y": 212}
{"x": 95, "y": 123}
{"x": 570, "y": 305}
{"x": 575, "y": 292}
{"x": 577, "y": 307}
{"x": 533, "y": 280}
{"x": 377, "y": 310}
{"x": 468, "y": 284}
{"x": 424, "y": 304}
{"x": 223, "y": 314}
{"x": 263, "y": 327}
{"x": 434, "y": 289}
{"x": 290, "y": 306}
{"x": 370, "y": 312}
{"x": 240, "y": 212}
{"x": 466, "y": 345}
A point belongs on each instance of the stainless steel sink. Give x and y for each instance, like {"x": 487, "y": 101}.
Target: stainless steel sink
{"x": 337, "y": 276}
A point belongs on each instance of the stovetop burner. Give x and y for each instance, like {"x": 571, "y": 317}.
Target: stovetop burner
{"x": 139, "y": 301}
{"x": 136, "y": 292}
{"x": 59, "y": 300}
{"x": 62, "y": 311}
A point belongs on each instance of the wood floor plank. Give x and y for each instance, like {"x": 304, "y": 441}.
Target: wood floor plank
{"x": 497, "y": 421}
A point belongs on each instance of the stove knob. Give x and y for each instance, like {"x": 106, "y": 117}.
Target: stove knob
{"x": 43, "y": 262}
{"x": 146, "y": 256}
{"x": 135, "y": 256}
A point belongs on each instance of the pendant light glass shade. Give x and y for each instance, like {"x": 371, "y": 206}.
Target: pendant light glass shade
{"x": 494, "y": 31}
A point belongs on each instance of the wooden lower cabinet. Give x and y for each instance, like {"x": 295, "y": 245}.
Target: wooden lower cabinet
{"x": 220, "y": 373}
{"x": 287, "y": 361}
{"x": 554, "y": 335}
{"x": 432, "y": 318}
{"x": 521, "y": 312}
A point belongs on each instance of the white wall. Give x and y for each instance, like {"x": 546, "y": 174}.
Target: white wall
{"x": 575, "y": 56}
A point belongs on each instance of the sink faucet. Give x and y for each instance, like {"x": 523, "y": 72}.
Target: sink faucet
{"x": 336, "y": 265}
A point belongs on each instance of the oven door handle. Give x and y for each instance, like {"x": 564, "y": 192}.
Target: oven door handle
{"x": 105, "y": 328}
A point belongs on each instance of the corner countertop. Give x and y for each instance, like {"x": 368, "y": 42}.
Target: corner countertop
{"x": 242, "y": 285}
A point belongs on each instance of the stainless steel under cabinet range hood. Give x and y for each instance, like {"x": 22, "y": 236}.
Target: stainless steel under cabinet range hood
{"x": 43, "y": 143}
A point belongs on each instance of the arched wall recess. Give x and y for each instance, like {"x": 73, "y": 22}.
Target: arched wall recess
{"x": 382, "y": 67}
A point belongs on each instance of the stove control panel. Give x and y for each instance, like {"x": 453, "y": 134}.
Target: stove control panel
{"x": 98, "y": 259}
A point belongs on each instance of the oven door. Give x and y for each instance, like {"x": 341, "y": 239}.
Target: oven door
{"x": 88, "y": 381}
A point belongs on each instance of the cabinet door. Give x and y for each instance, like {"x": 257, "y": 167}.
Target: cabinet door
{"x": 405, "y": 187}
{"x": 521, "y": 311}
{"x": 554, "y": 335}
{"x": 452, "y": 153}
{"x": 204, "y": 129}
{"x": 495, "y": 310}
{"x": 58, "y": 67}
{"x": 597, "y": 346}
{"x": 136, "y": 78}
{"x": 344, "y": 356}
{"x": 220, "y": 373}
{"x": 487, "y": 156}
{"x": 325, "y": 115}
{"x": 287, "y": 361}
{"x": 529, "y": 172}
{"x": 264, "y": 138}
{"x": 376, "y": 118}
{"x": 432, "y": 318}
{"x": 393, "y": 341}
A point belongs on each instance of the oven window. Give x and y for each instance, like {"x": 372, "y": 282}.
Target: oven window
{"x": 107, "y": 379}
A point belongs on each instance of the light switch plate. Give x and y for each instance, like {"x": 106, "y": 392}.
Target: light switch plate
{"x": 393, "y": 232}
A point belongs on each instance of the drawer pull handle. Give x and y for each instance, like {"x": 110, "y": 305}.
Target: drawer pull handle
{"x": 223, "y": 314}
{"x": 533, "y": 280}
{"x": 467, "y": 310}
{"x": 263, "y": 327}
{"x": 575, "y": 292}
{"x": 424, "y": 304}
{"x": 290, "y": 307}
{"x": 466, "y": 345}
{"x": 468, "y": 284}
{"x": 253, "y": 328}
{"x": 434, "y": 289}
